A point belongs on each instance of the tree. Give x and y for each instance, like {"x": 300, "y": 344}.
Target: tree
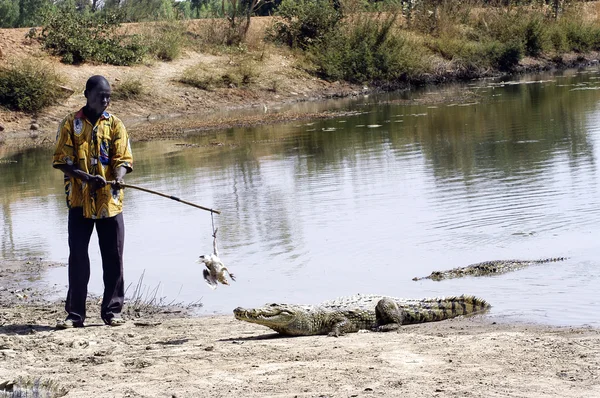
{"x": 9, "y": 13}
{"x": 31, "y": 12}
{"x": 238, "y": 13}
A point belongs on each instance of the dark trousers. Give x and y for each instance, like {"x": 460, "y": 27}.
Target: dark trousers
{"x": 111, "y": 238}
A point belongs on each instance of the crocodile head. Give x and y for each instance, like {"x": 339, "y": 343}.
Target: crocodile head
{"x": 288, "y": 319}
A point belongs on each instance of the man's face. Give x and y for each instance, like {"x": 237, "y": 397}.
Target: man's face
{"x": 98, "y": 97}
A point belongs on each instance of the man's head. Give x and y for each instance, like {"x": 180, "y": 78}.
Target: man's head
{"x": 97, "y": 92}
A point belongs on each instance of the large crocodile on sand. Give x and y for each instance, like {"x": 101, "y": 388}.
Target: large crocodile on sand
{"x": 487, "y": 268}
{"x": 360, "y": 312}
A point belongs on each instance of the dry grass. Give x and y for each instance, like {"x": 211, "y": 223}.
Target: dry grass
{"x": 131, "y": 87}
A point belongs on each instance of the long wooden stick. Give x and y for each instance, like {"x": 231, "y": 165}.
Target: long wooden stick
{"x": 166, "y": 196}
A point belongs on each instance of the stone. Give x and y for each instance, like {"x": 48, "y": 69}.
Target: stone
{"x": 34, "y": 126}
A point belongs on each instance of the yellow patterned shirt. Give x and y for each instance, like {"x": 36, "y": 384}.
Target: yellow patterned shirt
{"x": 97, "y": 150}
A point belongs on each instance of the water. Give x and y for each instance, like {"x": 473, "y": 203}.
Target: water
{"x": 394, "y": 189}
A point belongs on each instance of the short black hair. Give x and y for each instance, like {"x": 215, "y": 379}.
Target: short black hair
{"x": 95, "y": 81}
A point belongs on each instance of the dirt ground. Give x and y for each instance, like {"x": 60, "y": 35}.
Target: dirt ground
{"x": 166, "y": 353}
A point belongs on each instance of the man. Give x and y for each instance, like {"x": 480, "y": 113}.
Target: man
{"x": 92, "y": 147}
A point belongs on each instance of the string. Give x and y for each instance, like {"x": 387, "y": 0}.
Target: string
{"x": 212, "y": 220}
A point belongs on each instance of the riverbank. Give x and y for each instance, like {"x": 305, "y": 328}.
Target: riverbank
{"x": 168, "y": 109}
{"x": 175, "y": 355}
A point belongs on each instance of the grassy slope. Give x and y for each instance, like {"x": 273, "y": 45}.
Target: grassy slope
{"x": 168, "y": 108}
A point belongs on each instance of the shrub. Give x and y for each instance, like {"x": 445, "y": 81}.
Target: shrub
{"x": 535, "y": 36}
{"x": 558, "y": 38}
{"x": 365, "y": 50}
{"x": 505, "y": 56}
{"x": 129, "y": 88}
{"x": 29, "y": 86}
{"x": 581, "y": 36}
{"x": 438, "y": 17}
{"x": 198, "y": 77}
{"x": 78, "y": 37}
{"x": 303, "y": 23}
{"x": 166, "y": 40}
{"x": 472, "y": 55}
{"x": 243, "y": 72}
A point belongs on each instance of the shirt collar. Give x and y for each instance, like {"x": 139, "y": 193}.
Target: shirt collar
{"x": 81, "y": 115}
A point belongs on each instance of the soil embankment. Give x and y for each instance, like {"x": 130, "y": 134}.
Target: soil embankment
{"x": 162, "y": 355}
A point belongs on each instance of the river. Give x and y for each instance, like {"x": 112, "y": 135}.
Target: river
{"x": 361, "y": 203}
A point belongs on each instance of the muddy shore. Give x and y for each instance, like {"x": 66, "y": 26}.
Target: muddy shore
{"x": 170, "y": 354}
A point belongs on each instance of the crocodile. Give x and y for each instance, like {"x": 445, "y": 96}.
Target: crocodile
{"x": 359, "y": 312}
{"x": 487, "y": 268}
{"x": 31, "y": 388}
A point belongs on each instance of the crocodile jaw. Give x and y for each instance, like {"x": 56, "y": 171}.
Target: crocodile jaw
{"x": 286, "y": 319}
{"x": 269, "y": 315}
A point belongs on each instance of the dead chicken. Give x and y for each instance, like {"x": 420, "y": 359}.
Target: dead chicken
{"x": 215, "y": 271}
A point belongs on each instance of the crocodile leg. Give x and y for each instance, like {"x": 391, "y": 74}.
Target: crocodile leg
{"x": 341, "y": 325}
{"x": 389, "y": 315}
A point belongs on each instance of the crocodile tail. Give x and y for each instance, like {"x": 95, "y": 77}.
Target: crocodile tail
{"x": 455, "y": 306}
{"x": 551, "y": 260}
{"x": 470, "y": 304}
{"x": 438, "y": 309}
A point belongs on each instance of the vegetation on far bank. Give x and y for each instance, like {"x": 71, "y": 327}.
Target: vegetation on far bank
{"x": 385, "y": 43}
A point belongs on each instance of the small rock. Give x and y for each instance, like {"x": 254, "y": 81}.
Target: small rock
{"x": 1, "y": 127}
{"x": 34, "y": 126}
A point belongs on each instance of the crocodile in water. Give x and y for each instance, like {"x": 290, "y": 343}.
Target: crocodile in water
{"x": 360, "y": 312}
{"x": 487, "y": 268}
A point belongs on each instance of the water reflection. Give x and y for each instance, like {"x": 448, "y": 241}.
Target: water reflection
{"x": 395, "y": 188}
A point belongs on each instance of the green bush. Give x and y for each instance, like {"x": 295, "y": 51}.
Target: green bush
{"x": 145, "y": 10}
{"x": 472, "y": 55}
{"x": 581, "y": 37}
{"x": 505, "y": 56}
{"x": 365, "y": 50}
{"x": 535, "y": 34}
{"x": 166, "y": 40}
{"x": 78, "y": 38}
{"x": 9, "y": 13}
{"x": 29, "y": 86}
{"x": 302, "y": 23}
{"x": 558, "y": 38}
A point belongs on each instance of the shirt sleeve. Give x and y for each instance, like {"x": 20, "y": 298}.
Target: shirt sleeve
{"x": 64, "y": 153}
{"x": 122, "y": 155}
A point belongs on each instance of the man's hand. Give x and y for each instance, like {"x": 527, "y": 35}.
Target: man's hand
{"x": 119, "y": 174}
{"x": 96, "y": 182}
{"x": 117, "y": 183}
